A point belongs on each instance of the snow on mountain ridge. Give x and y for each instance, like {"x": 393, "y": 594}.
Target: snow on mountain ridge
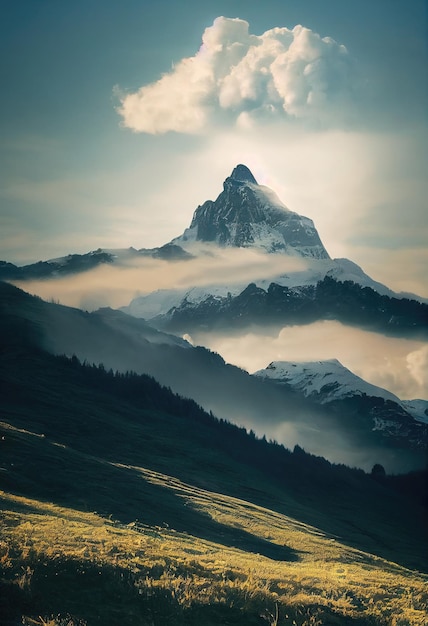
{"x": 161, "y": 302}
{"x": 249, "y": 215}
{"x": 329, "y": 380}
{"x": 328, "y": 377}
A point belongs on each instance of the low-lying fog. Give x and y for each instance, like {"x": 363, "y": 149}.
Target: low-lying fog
{"x": 116, "y": 285}
{"x": 399, "y": 365}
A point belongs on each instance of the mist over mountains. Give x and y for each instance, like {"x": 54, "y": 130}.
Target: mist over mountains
{"x": 123, "y": 343}
{"x": 253, "y": 264}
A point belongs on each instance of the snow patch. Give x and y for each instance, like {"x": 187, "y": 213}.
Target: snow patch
{"x": 329, "y": 380}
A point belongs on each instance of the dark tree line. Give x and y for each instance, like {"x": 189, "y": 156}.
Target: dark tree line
{"x": 345, "y": 301}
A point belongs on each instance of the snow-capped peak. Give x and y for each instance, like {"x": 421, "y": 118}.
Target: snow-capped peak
{"x": 329, "y": 380}
{"x": 249, "y": 215}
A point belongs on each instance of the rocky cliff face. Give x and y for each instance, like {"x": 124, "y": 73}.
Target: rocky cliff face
{"x": 249, "y": 215}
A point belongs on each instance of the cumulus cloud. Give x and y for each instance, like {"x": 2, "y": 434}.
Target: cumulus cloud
{"x": 282, "y": 73}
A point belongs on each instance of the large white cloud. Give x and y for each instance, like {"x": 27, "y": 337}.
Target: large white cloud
{"x": 241, "y": 77}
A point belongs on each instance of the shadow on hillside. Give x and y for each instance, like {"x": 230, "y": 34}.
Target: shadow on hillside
{"x": 220, "y": 614}
{"x": 38, "y": 469}
{"x": 106, "y": 595}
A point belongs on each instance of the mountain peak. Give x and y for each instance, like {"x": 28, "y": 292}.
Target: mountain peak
{"x": 242, "y": 174}
{"x": 249, "y": 215}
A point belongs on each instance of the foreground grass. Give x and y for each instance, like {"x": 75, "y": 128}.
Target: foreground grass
{"x": 68, "y": 567}
{"x": 206, "y": 537}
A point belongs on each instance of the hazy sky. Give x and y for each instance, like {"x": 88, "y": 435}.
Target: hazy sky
{"x": 117, "y": 121}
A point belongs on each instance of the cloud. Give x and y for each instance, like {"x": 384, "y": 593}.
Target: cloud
{"x": 417, "y": 365}
{"x": 117, "y": 285}
{"x": 281, "y": 74}
{"x": 399, "y": 365}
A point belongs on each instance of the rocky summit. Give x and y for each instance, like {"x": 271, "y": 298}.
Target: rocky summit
{"x": 249, "y": 215}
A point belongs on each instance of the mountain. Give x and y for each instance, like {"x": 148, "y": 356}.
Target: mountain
{"x": 124, "y": 503}
{"x": 249, "y": 215}
{"x": 327, "y": 381}
{"x": 331, "y": 384}
{"x": 244, "y": 215}
{"x": 229, "y": 308}
{"x": 77, "y": 263}
{"x": 124, "y": 343}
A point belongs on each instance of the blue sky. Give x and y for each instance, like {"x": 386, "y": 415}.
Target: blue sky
{"x": 73, "y": 177}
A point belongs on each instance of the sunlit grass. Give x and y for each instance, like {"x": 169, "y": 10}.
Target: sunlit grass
{"x": 171, "y": 577}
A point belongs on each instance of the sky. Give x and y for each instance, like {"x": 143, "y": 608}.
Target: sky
{"x": 118, "y": 119}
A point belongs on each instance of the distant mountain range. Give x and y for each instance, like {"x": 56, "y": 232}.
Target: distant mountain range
{"x": 279, "y": 305}
{"x": 77, "y": 263}
{"x": 248, "y": 215}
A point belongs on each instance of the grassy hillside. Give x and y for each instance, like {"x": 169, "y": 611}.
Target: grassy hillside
{"x": 65, "y": 566}
{"x": 122, "y": 503}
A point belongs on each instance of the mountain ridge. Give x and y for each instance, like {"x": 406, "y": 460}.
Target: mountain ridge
{"x": 330, "y": 384}
{"x": 249, "y": 215}
{"x": 123, "y": 343}
{"x": 330, "y": 380}
{"x": 278, "y": 305}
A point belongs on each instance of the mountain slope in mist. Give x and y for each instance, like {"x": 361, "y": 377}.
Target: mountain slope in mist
{"x": 124, "y": 343}
{"x": 330, "y": 384}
